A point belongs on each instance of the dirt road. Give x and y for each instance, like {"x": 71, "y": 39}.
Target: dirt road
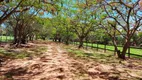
{"x": 56, "y": 64}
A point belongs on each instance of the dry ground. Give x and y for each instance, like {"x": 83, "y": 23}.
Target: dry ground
{"x": 57, "y": 63}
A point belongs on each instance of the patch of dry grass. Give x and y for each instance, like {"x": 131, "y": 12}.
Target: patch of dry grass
{"x": 22, "y": 52}
{"x": 130, "y": 69}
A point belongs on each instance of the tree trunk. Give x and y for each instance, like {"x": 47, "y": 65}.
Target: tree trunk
{"x": 15, "y": 33}
{"x": 125, "y": 47}
{"x": 31, "y": 37}
{"x": 115, "y": 48}
{"x": 67, "y": 41}
{"x": 55, "y": 39}
{"x": 36, "y": 37}
{"x": 80, "y": 43}
{"x": 24, "y": 39}
{"x": 117, "y": 51}
{"x": 43, "y": 38}
{"x": 15, "y": 37}
{"x": 59, "y": 39}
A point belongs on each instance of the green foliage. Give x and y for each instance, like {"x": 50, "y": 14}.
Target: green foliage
{"x": 66, "y": 20}
{"x": 93, "y": 55}
{"x": 78, "y": 53}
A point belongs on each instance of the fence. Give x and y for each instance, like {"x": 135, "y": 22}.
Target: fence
{"x": 6, "y": 39}
{"x": 136, "y": 51}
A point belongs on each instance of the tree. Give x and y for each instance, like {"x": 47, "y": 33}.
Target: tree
{"x": 137, "y": 39}
{"x": 24, "y": 17}
{"x": 67, "y": 33}
{"x": 46, "y": 28}
{"x": 22, "y": 25}
{"x": 84, "y": 21}
{"x": 128, "y": 12}
{"x": 8, "y": 7}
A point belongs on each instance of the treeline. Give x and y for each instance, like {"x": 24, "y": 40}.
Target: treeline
{"x": 110, "y": 22}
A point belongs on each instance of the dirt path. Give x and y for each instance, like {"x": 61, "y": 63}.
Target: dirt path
{"x": 56, "y": 64}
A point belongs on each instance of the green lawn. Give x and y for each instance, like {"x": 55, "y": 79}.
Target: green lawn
{"x": 6, "y": 38}
{"x": 109, "y": 47}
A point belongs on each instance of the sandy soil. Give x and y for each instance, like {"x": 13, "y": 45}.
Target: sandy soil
{"x": 56, "y": 64}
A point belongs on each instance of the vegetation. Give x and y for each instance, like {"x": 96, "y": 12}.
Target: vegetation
{"x": 109, "y": 47}
{"x": 66, "y": 21}
{"x": 21, "y": 53}
{"x": 104, "y": 58}
{"x": 28, "y": 26}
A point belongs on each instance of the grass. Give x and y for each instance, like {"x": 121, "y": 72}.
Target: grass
{"x": 132, "y": 50}
{"x": 78, "y": 53}
{"x": 97, "y": 56}
{"x": 6, "y": 38}
{"x": 22, "y": 53}
{"x": 111, "y": 48}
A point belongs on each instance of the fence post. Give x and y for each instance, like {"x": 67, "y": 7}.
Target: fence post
{"x": 115, "y": 51}
{"x": 86, "y": 44}
{"x": 129, "y": 52}
{"x": 0, "y": 39}
{"x": 6, "y": 38}
{"x": 73, "y": 42}
{"x": 104, "y": 47}
{"x": 92, "y": 44}
{"x": 97, "y": 46}
{"x": 10, "y": 38}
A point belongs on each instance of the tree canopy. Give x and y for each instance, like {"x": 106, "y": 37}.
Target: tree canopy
{"x": 76, "y": 20}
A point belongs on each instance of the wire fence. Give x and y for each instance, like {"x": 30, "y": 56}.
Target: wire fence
{"x": 4, "y": 39}
{"x": 135, "y": 51}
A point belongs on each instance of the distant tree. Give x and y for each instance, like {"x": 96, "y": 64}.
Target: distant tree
{"x": 46, "y": 28}
{"x": 21, "y": 25}
{"x": 84, "y": 21}
{"x": 67, "y": 34}
{"x": 137, "y": 38}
